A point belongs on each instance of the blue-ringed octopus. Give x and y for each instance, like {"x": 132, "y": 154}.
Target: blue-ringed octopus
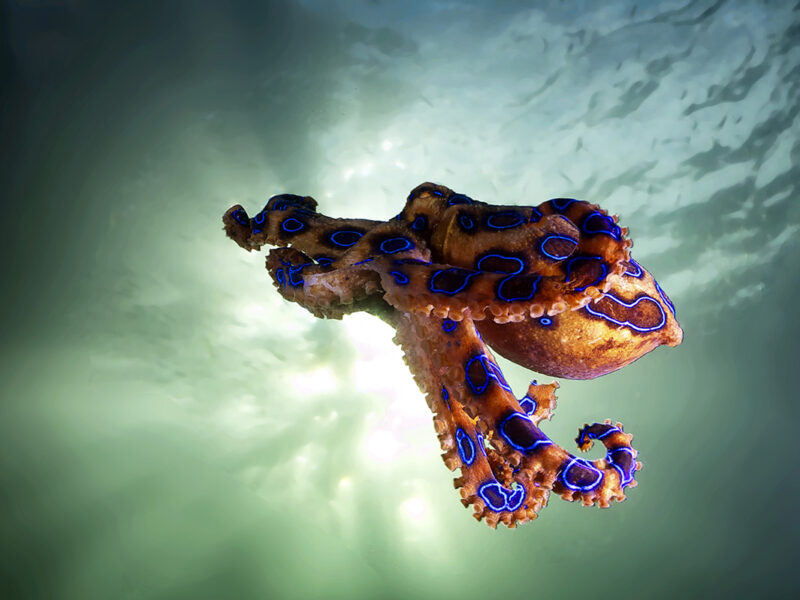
{"x": 552, "y": 288}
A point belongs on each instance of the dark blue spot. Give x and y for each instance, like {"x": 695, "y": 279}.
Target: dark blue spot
{"x": 292, "y": 225}
{"x": 345, "y": 237}
{"x": 580, "y": 475}
{"x": 466, "y": 447}
{"x": 450, "y": 281}
{"x": 517, "y": 287}
{"x": 395, "y": 244}
{"x": 420, "y": 223}
{"x": 449, "y": 325}
{"x": 497, "y": 263}
{"x": 504, "y": 219}
{"x": 586, "y": 261}
{"x": 546, "y": 321}
{"x": 479, "y": 372}
{"x": 528, "y": 404}
{"x": 445, "y": 397}
{"x": 459, "y": 199}
{"x": 520, "y": 432}
{"x": 240, "y": 217}
{"x": 593, "y": 311}
{"x": 466, "y": 222}
{"x": 623, "y": 460}
{"x": 498, "y": 498}
{"x": 560, "y": 246}
{"x": 561, "y": 204}
{"x": 596, "y": 223}
{"x": 437, "y": 193}
{"x": 536, "y": 215}
{"x": 399, "y": 278}
{"x": 634, "y": 269}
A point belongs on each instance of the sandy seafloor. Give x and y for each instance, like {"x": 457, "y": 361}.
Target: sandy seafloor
{"x": 171, "y": 428}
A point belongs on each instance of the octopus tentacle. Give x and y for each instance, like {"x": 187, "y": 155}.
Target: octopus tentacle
{"x": 524, "y": 458}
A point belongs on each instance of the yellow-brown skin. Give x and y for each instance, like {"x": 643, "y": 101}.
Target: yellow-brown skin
{"x": 552, "y": 288}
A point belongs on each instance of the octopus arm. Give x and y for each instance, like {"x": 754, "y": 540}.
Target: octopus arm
{"x": 481, "y": 425}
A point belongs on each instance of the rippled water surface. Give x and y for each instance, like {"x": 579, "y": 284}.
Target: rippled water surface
{"x": 169, "y": 427}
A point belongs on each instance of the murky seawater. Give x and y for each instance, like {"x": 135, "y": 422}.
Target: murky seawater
{"x": 170, "y": 428}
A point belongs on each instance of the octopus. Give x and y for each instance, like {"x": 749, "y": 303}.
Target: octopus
{"x": 552, "y": 288}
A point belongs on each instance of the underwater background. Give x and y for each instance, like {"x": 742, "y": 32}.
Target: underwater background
{"x": 171, "y": 428}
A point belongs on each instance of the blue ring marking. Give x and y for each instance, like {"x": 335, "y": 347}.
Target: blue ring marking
{"x": 240, "y": 217}
{"x": 637, "y": 273}
{"x": 500, "y": 294}
{"x": 572, "y": 260}
{"x": 518, "y": 219}
{"x": 607, "y": 226}
{"x": 280, "y": 276}
{"x": 445, "y": 397}
{"x": 324, "y": 261}
{"x": 536, "y": 215}
{"x": 449, "y": 325}
{"x": 259, "y": 218}
{"x": 420, "y": 223}
{"x": 399, "y": 278}
{"x": 481, "y": 442}
{"x": 586, "y": 433}
{"x": 596, "y": 313}
{"x": 490, "y": 371}
{"x": 543, "y": 441}
{"x": 665, "y": 298}
{"x": 461, "y": 288}
{"x": 366, "y": 260}
{"x": 400, "y": 244}
{"x": 584, "y": 464}
{"x": 625, "y": 478}
{"x": 466, "y": 222}
{"x": 292, "y": 225}
{"x": 561, "y": 204}
{"x": 345, "y": 232}
{"x": 546, "y": 321}
{"x": 459, "y": 199}
{"x": 466, "y": 448}
{"x": 500, "y": 256}
{"x": 498, "y": 498}
{"x": 528, "y": 404}
{"x": 556, "y": 236}
{"x": 436, "y": 193}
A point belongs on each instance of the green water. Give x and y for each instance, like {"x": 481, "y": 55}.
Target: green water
{"x": 170, "y": 428}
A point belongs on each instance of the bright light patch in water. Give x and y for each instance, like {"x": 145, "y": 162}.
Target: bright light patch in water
{"x": 314, "y": 382}
{"x": 415, "y": 509}
{"x": 381, "y": 446}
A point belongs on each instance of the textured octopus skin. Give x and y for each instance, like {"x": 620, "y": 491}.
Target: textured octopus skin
{"x": 552, "y": 288}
